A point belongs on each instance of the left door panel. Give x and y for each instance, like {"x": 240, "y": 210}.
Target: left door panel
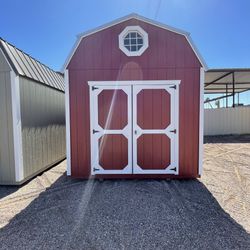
{"x": 111, "y": 140}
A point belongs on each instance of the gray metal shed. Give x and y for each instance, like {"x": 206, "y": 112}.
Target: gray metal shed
{"x": 32, "y": 116}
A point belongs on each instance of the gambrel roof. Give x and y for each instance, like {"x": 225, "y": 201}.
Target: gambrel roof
{"x": 26, "y": 66}
{"x": 140, "y": 18}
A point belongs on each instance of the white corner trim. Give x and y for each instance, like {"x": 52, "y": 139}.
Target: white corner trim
{"x": 17, "y": 126}
{"x": 143, "y": 19}
{"x": 201, "y": 122}
{"x": 124, "y": 33}
{"x": 67, "y": 111}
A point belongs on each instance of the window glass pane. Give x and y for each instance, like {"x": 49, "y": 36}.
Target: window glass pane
{"x": 140, "y": 41}
{"x": 127, "y": 47}
{"x": 133, "y": 41}
{"x": 133, "y": 34}
{"x": 127, "y": 36}
{"x": 138, "y": 35}
{"x": 138, "y": 47}
{"x": 133, "y": 48}
{"x": 126, "y": 41}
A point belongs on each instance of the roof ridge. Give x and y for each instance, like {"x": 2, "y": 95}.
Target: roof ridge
{"x": 186, "y": 34}
{"x": 25, "y": 53}
{"x": 27, "y": 66}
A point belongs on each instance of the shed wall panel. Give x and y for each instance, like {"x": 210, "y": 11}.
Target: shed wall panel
{"x": 7, "y": 161}
{"x": 4, "y": 66}
{"x": 168, "y": 57}
{"x": 226, "y": 121}
{"x": 43, "y": 126}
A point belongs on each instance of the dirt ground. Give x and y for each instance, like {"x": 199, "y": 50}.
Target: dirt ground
{"x": 53, "y": 211}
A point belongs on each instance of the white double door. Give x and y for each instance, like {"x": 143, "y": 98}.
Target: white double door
{"x": 134, "y": 128}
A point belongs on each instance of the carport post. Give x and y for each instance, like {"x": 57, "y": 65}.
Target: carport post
{"x": 233, "y": 90}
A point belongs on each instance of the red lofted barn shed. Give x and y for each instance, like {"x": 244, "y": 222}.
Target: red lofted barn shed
{"x": 134, "y": 102}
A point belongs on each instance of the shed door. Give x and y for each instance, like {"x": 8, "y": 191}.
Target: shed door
{"x": 111, "y": 134}
{"x": 155, "y": 129}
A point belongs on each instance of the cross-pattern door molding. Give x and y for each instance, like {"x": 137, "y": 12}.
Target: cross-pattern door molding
{"x": 132, "y": 131}
{"x": 170, "y": 131}
{"x": 100, "y": 132}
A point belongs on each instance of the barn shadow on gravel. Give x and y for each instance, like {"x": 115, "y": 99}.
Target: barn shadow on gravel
{"x": 124, "y": 214}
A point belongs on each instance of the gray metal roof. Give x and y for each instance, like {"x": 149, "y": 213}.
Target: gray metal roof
{"x": 221, "y": 80}
{"x": 26, "y": 66}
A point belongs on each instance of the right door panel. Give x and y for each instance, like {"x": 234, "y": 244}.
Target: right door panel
{"x": 155, "y": 125}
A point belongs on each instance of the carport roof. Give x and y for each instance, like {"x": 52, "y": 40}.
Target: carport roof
{"x": 227, "y": 80}
{"x": 26, "y": 66}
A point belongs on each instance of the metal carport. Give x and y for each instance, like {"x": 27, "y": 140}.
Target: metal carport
{"x": 226, "y": 82}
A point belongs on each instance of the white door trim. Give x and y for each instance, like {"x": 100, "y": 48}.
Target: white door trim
{"x": 146, "y": 82}
{"x": 126, "y": 131}
{"x": 174, "y": 152}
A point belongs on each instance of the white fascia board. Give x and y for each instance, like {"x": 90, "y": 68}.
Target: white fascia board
{"x": 17, "y": 126}
{"x": 138, "y": 17}
{"x": 197, "y": 53}
{"x": 67, "y": 111}
{"x": 201, "y": 121}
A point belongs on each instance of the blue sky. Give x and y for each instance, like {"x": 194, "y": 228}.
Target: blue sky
{"x": 47, "y": 29}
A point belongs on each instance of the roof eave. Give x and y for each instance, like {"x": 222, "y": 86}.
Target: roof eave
{"x": 141, "y": 18}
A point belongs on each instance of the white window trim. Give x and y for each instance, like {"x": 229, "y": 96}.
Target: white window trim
{"x": 124, "y": 33}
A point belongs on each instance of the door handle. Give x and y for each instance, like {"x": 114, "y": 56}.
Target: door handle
{"x": 135, "y": 132}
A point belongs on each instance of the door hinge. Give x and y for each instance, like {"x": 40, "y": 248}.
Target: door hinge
{"x": 173, "y": 169}
{"x": 95, "y": 131}
{"x": 173, "y": 131}
{"x": 173, "y": 87}
{"x": 93, "y": 88}
{"x": 96, "y": 169}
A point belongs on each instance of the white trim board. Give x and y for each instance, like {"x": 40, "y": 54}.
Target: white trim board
{"x": 126, "y": 131}
{"x": 17, "y": 126}
{"x": 143, "y": 19}
{"x": 126, "y": 86}
{"x": 201, "y": 122}
{"x": 174, "y": 124}
{"x": 67, "y": 111}
{"x": 134, "y": 82}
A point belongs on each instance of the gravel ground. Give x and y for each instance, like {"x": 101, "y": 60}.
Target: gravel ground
{"x": 56, "y": 212}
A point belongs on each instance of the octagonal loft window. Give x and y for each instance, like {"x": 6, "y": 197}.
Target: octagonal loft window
{"x": 133, "y": 41}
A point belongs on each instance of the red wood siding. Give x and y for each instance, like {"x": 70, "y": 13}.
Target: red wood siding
{"x": 153, "y": 109}
{"x": 153, "y": 151}
{"x": 168, "y": 57}
{"x": 112, "y": 109}
{"x": 113, "y": 152}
